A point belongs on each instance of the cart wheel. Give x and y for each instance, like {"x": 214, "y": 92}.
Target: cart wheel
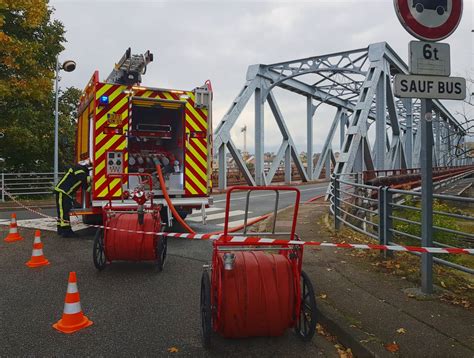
{"x": 161, "y": 248}
{"x": 206, "y": 310}
{"x": 306, "y": 324}
{"x": 99, "y": 252}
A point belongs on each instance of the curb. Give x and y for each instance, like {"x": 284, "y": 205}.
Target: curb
{"x": 349, "y": 337}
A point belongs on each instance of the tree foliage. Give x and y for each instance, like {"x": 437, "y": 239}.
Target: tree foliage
{"x": 30, "y": 41}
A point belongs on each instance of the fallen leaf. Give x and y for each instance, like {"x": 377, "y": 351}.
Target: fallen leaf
{"x": 344, "y": 353}
{"x": 443, "y": 284}
{"x": 320, "y": 329}
{"x": 401, "y": 331}
{"x": 323, "y": 296}
{"x": 173, "y": 350}
{"x": 329, "y": 269}
{"x": 392, "y": 347}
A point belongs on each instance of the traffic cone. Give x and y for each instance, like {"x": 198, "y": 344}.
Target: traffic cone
{"x": 37, "y": 257}
{"x": 13, "y": 234}
{"x": 73, "y": 319}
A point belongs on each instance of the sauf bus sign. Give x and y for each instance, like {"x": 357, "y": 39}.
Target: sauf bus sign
{"x": 430, "y": 87}
{"x": 429, "y": 61}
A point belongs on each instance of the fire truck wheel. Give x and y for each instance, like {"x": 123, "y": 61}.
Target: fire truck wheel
{"x": 206, "y": 327}
{"x": 99, "y": 252}
{"x": 306, "y": 324}
{"x": 92, "y": 219}
{"x": 183, "y": 214}
{"x": 161, "y": 248}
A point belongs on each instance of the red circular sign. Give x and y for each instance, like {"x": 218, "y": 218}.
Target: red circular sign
{"x": 430, "y": 20}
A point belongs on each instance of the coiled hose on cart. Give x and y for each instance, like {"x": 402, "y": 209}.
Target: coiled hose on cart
{"x": 168, "y": 201}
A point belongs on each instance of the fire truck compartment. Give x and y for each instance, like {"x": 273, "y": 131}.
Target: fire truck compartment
{"x": 157, "y": 137}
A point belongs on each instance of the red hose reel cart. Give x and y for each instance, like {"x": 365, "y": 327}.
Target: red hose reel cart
{"x": 129, "y": 232}
{"x": 257, "y": 289}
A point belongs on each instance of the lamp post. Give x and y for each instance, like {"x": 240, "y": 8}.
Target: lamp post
{"x": 67, "y": 66}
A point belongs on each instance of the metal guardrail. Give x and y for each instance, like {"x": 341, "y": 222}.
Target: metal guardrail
{"x": 26, "y": 184}
{"x": 389, "y": 215}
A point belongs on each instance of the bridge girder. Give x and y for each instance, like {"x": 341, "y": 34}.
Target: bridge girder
{"x": 359, "y": 84}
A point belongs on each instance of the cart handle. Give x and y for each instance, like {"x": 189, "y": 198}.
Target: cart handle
{"x": 262, "y": 188}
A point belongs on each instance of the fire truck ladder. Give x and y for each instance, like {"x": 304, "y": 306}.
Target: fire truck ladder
{"x": 130, "y": 68}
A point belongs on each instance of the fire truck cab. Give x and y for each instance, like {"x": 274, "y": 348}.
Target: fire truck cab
{"x": 124, "y": 127}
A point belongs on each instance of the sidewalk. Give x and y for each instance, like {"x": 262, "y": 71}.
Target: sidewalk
{"x": 362, "y": 299}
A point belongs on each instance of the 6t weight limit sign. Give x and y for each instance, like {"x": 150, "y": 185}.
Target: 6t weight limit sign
{"x": 429, "y": 58}
{"x": 430, "y": 87}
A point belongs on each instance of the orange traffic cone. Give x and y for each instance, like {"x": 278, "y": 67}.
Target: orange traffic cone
{"x": 73, "y": 319}
{"x": 37, "y": 257}
{"x": 13, "y": 235}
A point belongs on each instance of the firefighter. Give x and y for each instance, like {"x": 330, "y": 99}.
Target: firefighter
{"x": 75, "y": 177}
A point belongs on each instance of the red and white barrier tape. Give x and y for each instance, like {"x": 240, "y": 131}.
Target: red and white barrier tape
{"x": 244, "y": 240}
{"x": 26, "y": 207}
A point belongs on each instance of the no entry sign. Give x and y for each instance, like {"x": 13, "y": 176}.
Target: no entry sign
{"x": 430, "y": 20}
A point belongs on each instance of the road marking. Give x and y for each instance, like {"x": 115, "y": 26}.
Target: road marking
{"x": 236, "y": 222}
{"x": 49, "y": 224}
{"x": 218, "y": 216}
{"x": 208, "y": 210}
{"x": 272, "y": 194}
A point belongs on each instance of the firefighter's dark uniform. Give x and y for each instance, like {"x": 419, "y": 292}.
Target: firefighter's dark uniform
{"x": 75, "y": 177}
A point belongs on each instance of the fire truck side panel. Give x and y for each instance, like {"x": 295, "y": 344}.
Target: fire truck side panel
{"x": 196, "y": 162}
{"x": 110, "y": 141}
{"x": 85, "y": 119}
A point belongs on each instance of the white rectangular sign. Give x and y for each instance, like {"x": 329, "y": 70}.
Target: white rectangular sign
{"x": 407, "y": 86}
{"x": 429, "y": 58}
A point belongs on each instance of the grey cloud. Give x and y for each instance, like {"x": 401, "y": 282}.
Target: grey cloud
{"x": 199, "y": 40}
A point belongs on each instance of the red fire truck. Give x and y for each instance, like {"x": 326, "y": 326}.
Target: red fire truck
{"x": 124, "y": 127}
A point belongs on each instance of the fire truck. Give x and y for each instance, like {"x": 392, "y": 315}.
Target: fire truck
{"x": 125, "y": 128}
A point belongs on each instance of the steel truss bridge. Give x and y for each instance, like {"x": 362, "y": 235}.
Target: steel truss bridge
{"x": 358, "y": 84}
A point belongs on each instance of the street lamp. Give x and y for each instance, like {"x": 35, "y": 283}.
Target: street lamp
{"x": 67, "y": 66}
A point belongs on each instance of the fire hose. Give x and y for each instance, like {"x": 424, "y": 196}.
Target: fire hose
{"x": 170, "y": 204}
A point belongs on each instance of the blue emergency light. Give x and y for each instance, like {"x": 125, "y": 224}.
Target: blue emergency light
{"x": 104, "y": 100}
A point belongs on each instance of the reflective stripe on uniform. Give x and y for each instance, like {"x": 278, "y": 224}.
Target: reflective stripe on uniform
{"x": 62, "y": 222}
{"x": 74, "y": 187}
{"x": 63, "y": 179}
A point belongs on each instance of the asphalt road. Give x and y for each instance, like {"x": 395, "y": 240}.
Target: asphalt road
{"x": 136, "y": 311}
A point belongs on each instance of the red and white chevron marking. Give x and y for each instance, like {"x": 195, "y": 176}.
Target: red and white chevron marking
{"x": 244, "y": 240}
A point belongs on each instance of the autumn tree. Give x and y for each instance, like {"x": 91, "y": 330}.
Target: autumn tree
{"x": 462, "y": 144}
{"x": 29, "y": 43}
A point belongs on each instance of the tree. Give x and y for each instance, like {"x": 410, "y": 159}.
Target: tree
{"x": 29, "y": 44}
{"x": 465, "y": 117}
{"x": 68, "y": 104}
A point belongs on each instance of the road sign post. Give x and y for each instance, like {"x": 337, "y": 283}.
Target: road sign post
{"x": 426, "y": 160}
{"x": 429, "y": 20}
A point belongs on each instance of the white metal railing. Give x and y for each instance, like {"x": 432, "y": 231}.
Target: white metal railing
{"x": 26, "y": 184}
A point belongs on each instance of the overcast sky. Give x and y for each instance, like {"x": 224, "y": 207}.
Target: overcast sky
{"x": 198, "y": 40}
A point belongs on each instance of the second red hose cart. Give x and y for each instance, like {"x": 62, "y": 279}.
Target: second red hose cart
{"x": 255, "y": 287}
